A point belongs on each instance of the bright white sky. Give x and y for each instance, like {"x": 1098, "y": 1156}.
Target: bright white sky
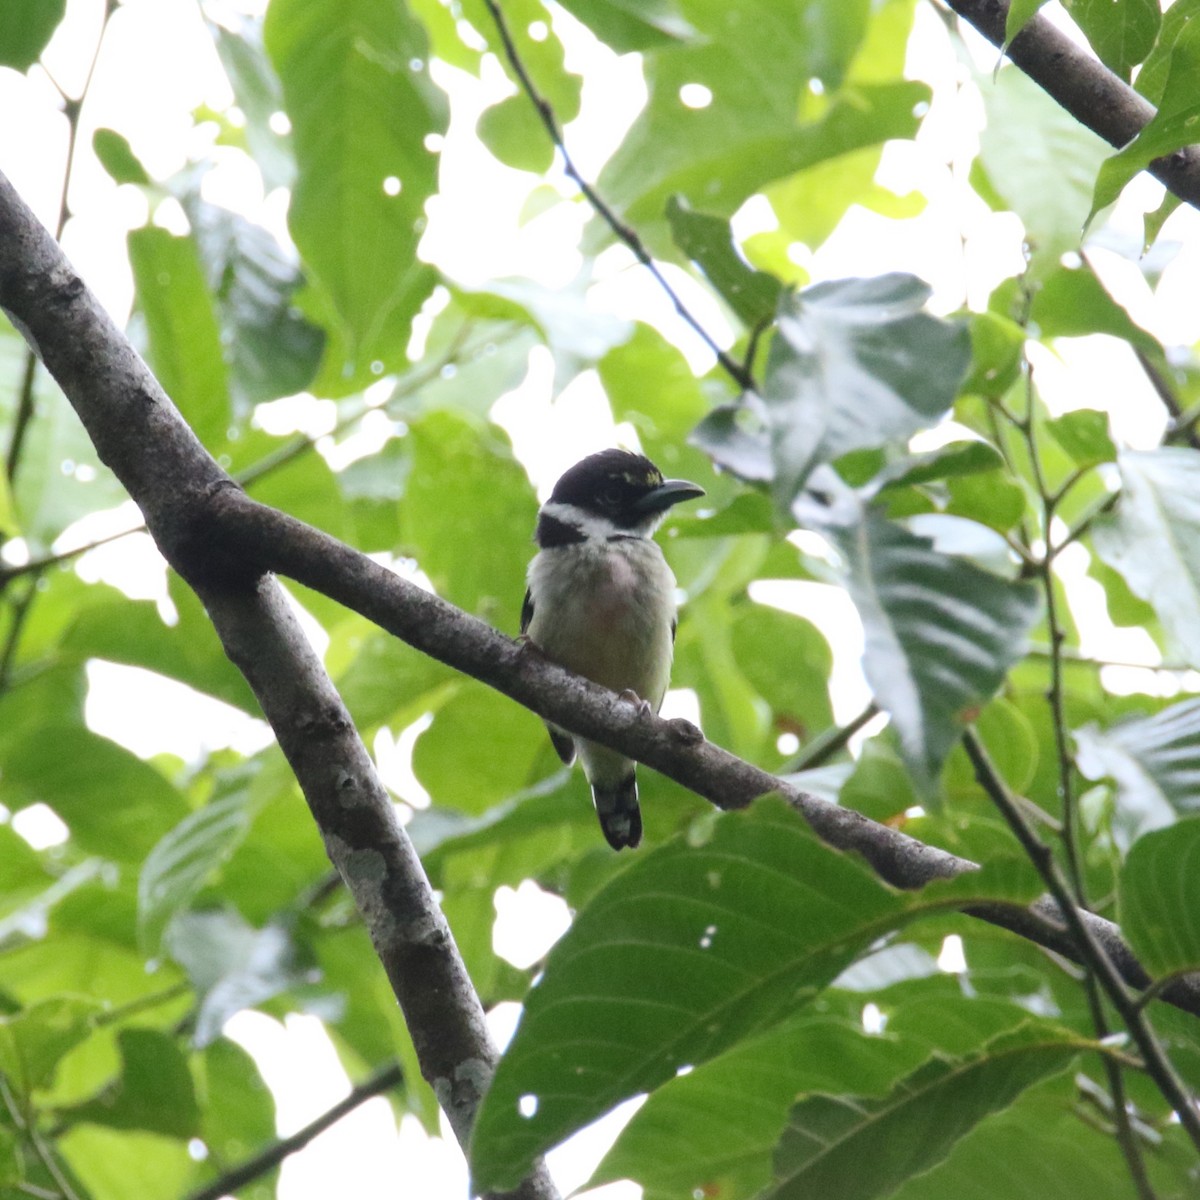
{"x": 157, "y": 66}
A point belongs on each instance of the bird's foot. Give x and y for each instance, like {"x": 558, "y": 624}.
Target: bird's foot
{"x": 685, "y": 731}
{"x": 631, "y": 697}
{"x": 527, "y": 645}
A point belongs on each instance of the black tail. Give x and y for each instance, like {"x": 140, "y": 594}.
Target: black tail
{"x": 620, "y": 817}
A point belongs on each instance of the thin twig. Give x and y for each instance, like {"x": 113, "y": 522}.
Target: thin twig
{"x": 1068, "y": 828}
{"x": 1157, "y": 1065}
{"x": 267, "y": 1160}
{"x": 26, "y": 1123}
{"x": 122, "y": 1012}
{"x": 36, "y": 566}
{"x": 1084, "y": 524}
{"x": 8, "y": 656}
{"x": 732, "y": 368}
{"x": 1182, "y": 424}
{"x": 72, "y": 108}
{"x": 822, "y": 748}
{"x": 24, "y": 415}
{"x": 1071, "y": 655}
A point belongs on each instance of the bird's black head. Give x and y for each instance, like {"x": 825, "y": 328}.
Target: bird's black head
{"x": 623, "y": 489}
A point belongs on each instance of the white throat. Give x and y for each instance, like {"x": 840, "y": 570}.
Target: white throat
{"x": 596, "y": 527}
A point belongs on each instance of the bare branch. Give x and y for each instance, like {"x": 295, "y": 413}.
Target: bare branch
{"x": 267, "y": 1160}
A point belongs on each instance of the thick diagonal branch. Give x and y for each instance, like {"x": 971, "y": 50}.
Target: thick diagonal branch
{"x": 1087, "y": 89}
{"x": 141, "y": 436}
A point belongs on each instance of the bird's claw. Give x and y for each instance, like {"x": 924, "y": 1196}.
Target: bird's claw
{"x": 631, "y": 697}
{"x": 685, "y": 731}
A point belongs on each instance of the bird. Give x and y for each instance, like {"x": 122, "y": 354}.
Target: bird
{"x": 601, "y": 602}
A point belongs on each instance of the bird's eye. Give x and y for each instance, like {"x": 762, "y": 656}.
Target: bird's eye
{"x": 611, "y": 495}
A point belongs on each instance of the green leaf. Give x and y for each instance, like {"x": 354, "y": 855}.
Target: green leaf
{"x": 231, "y": 965}
{"x": 1152, "y": 78}
{"x": 1084, "y": 435}
{"x": 856, "y": 1147}
{"x": 29, "y": 916}
{"x": 714, "y": 1129}
{"x": 358, "y": 93}
{"x": 708, "y": 241}
{"x": 856, "y": 363}
{"x": 1172, "y": 126}
{"x": 184, "y": 859}
{"x": 510, "y": 129}
{"x": 1039, "y": 1147}
{"x": 154, "y": 1091}
{"x": 1072, "y": 302}
{"x": 628, "y": 25}
{"x": 26, "y": 29}
{"x": 1019, "y": 12}
{"x": 940, "y": 632}
{"x": 716, "y": 157}
{"x": 271, "y": 350}
{"x": 947, "y": 462}
{"x": 787, "y": 660}
{"x": 469, "y": 772}
{"x": 115, "y": 804}
{"x": 237, "y": 1108}
{"x": 131, "y": 632}
{"x": 61, "y": 478}
{"x": 997, "y": 350}
{"x": 1017, "y": 166}
{"x": 760, "y": 125}
{"x": 1152, "y": 222}
{"x": 1160, "y": 899}
{"x": 1153, "y": 539}
{"x": 1154, "y": 761}
{"x": 686, "y": 951}
{"x": 34, "y": 1040}
{"x": 117, "y": 157}
{"x": 239, "y": 42}
{"x": 114, "y": 1165}
{"x": 1121, "y": 33}
{"x": 181, "y": 324}
{"x": 465, "y": 478}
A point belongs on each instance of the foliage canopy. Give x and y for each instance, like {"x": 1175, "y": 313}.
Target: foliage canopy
{"x": 783, "y": 1009}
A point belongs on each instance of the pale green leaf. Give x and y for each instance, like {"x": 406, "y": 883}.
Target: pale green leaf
{"x": 1174, "y": 125}
{"x": 1153, "y": 539}
{"x": 1121, "y": 32}
{"x": 34, "y": 1039}
{"x": 184, "y": 339}
{"x": 231, "y": 965}
{"x": 1017, "y": 166}
{"x": 1160, "y": 899}
{"x": 357, "y": 89}
{"x": 184, "y": 859}
{"x": 1154, "y": 761}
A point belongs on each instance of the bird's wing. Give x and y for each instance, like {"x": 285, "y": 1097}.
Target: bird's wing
{"x": 674, "y": 625}
{"x": 526, "y": 611}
